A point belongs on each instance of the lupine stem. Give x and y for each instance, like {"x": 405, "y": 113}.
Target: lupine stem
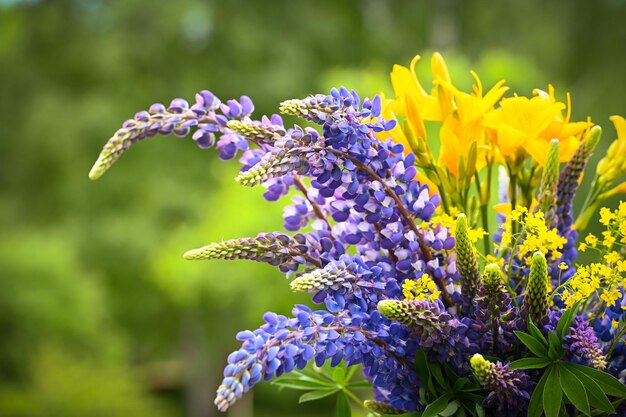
{"x": 316, "y": 208}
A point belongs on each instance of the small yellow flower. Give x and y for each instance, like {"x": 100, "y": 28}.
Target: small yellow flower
{"x": 612, "y": 257}
{"x": 614, "y": 324}
{"x": 422, "y": 289}
{"x": 606, "y": 216}
{"x": 563, "y": 266}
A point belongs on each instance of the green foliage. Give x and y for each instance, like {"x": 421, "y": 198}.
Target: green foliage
{"x": 444, "y": 392}
{"x": 324, "y": 382}
{"x": 562, "y": 382}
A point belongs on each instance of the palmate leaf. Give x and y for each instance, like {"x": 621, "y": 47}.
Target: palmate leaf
{"x": 574, "y": 390}
{"x": 555, "y": 349}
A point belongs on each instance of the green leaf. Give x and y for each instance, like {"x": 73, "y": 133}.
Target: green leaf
{"x": 597, "y": 397}
{"x": 609, "y": 384}
{"x": 359, "y": 385}
{"x": 343, "y": 406}
{"x": 552, "y": 393}
{"x": 459, "y": 384}
{"x": 534, "y": 345}
{"x": 436, "y": 406}
{"x": 450, "y": 409}
{"x": 536, "y": 333}
{"x": 339, "y": 373}
{"x": 574, "y": 390}
{"x": 530, "y": 363}
{"x": 317, "y": 394}
{"x": 555, "y": 349}
{"x": 480, "y": 412}
{"x": 535, "y": 408}
{"x": 435, "y": 370}
{"x": 421, "y": 365}
{"x": 566, "y": 321}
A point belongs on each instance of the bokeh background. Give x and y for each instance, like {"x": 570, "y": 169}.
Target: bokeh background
{"x": 99, "y": 313}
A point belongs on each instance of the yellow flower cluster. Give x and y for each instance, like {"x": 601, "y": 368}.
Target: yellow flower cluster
{"x": 535, "y": 235}
{"x": 421, "y": 289}
{"x": 606, "y": 278}
{"x": 448, "y": 220}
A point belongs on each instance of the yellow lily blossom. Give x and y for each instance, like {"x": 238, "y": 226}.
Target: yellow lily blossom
{"x": 463, "y": 127}
{"x": 529, "y": 124}
{"x": 405, "y": 83}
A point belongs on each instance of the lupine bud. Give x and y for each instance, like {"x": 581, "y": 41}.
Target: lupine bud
{"x": 276, "y": 163}
{"x": 466, "y": 264}
{"x": 549, "y": 183}
{"x": 535, "y": 306}
{"x": 273, "y": 248}
{"x": 495, "y": 313}
{"x": 429, "y": 321}
{"x": 322, "y": 279}
{"x": 507, "y": 389}
{"x": 570, "y": 176}
{"x": 257, "y": 131}
{"x": 380, "y": 408}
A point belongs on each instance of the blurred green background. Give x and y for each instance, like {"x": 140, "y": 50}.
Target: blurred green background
{"x": 99, "y": 313}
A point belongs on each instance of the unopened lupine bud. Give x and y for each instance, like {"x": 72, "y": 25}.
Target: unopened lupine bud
{"x": 549, "y": 183}
{"x": 570, "y": 176}
{"x": 466, "y": 264}
{"x": 257, "y": 131}
{"x": 274, "y": 164}
{"x": 321, "y": 279}
{"x": 508, "y": 388}
{"x": 381, "y": 408}
{"x": 273, "y": 248}
{"x": 535, "y": 306}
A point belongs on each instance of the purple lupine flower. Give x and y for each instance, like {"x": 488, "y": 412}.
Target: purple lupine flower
{"x": 583, "y": 343}
{"x": 178, "y": 119}
{"x": 276, "y": 249}
{"x": 508, "y": 389}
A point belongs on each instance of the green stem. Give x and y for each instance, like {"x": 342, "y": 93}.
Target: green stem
{"x": 616, "y": 341}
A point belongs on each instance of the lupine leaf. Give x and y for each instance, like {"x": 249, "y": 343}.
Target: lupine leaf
{"x": 536, "y": 333}
{"x": 574, "y": 390}
{"x": 450, "y": 409}
{"x": 552, "y": 393}
{"x": 435, "y": 370}
{"x": 597, "y": 397}
{"x": 480, "y": 412}
{"x": 343, "y": 406}
{"x": 609, "y": 384}
{"x": 555, "y": 351}
{"x": 359, "y": 385}
{"x": 530, "y": 363}
{"x": 317, "y": 394}
{"x": 566, "y": 321}
{"x": 535, "y": 408}
{"x": 436, "y": 406}
{"x": 534, "y": 345}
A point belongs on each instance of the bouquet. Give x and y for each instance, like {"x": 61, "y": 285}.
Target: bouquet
{"x": 450, "y": 305}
